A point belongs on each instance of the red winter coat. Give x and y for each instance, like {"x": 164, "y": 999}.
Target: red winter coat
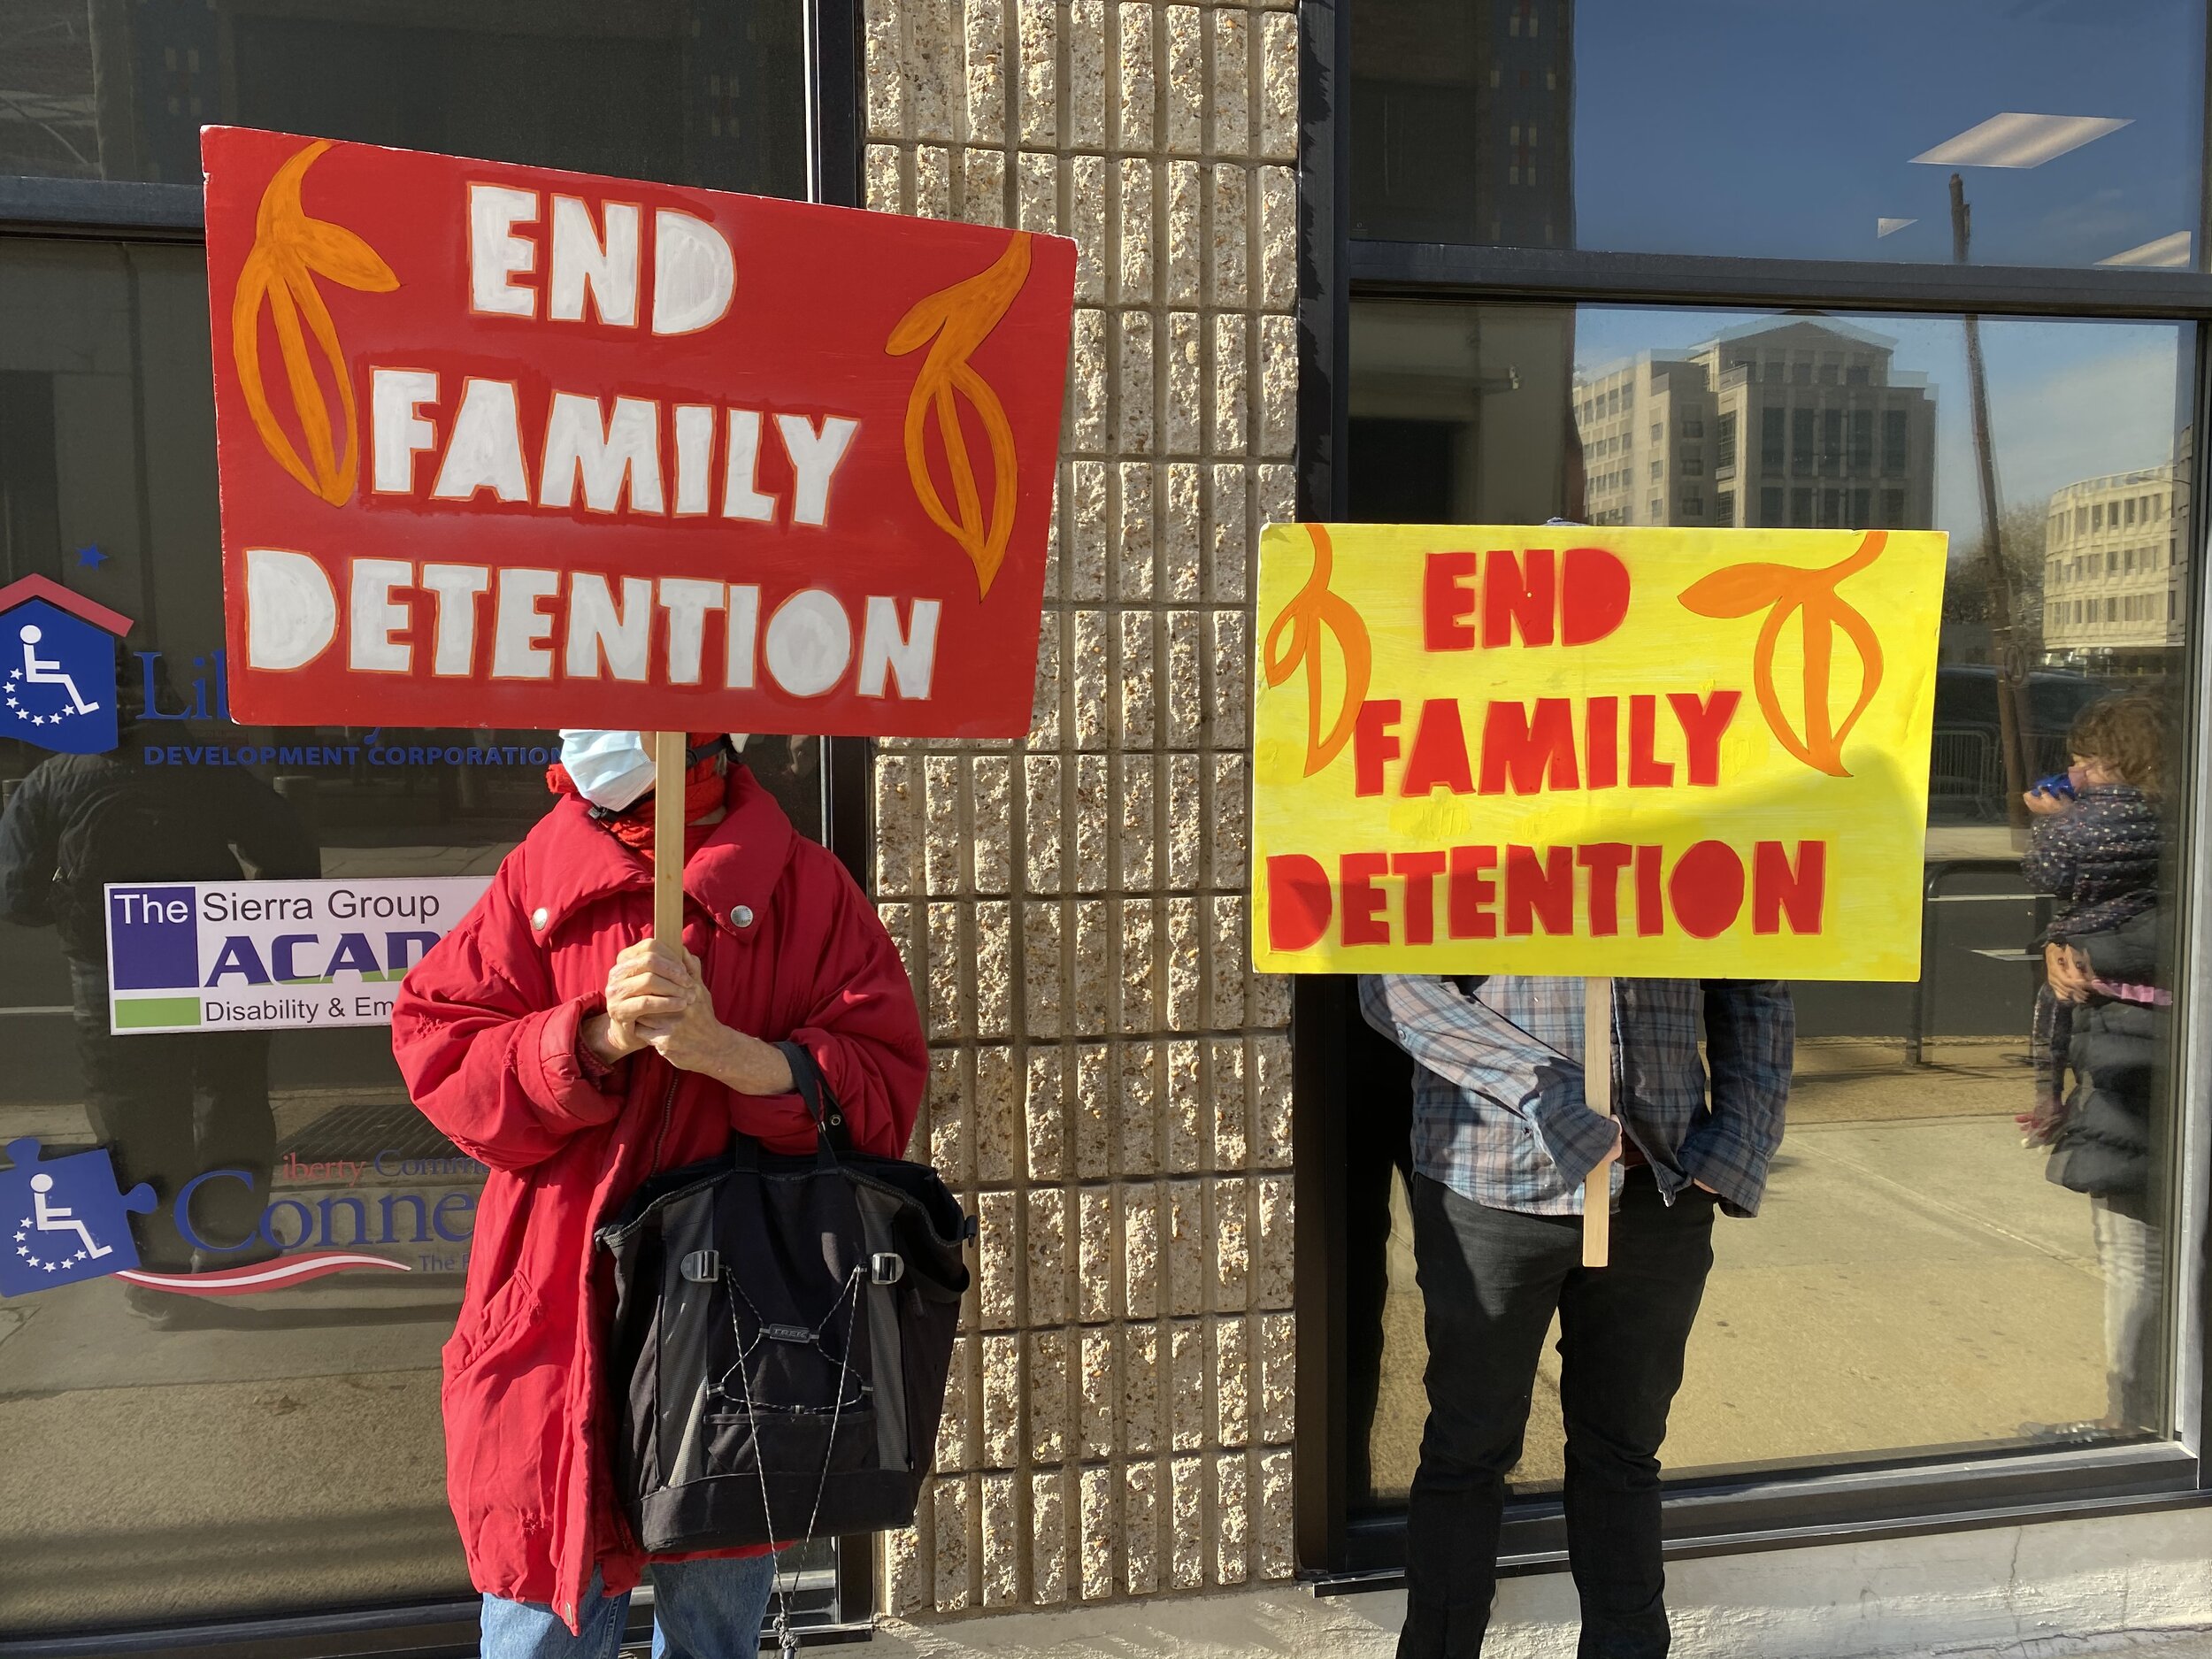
{"x": 485, "y": 1032}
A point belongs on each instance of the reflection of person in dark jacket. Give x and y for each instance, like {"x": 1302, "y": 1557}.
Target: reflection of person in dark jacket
{"x": 167, "y": 1106}
{"x": 790, "y": 768}
{"x": 2102, "y": 1147}
{"x": 2098, "y": 847}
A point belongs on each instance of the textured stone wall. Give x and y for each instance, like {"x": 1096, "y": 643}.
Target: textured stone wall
{"x": 1110, "y": 1085}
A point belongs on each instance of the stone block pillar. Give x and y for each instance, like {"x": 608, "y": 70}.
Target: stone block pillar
{"x": 1110, "y": 1083}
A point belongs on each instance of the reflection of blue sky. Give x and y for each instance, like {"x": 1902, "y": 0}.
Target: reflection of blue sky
{"x": 2067, "y": 400}
{"x": 1786, "y": 126}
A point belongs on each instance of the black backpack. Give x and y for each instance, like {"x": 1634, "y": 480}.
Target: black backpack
{"x": 782, "y": 1330}
{"x": 124, "y": 822}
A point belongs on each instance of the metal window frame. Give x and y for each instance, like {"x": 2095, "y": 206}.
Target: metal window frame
{"x": 133, "y": 211}
{"x": 100, "y": 207}
{"x": 1444, "y": 270}
{"x": 1751, "y": 1509}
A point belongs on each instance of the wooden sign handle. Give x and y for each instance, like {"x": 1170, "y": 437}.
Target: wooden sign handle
{"x": 668, "y": 837}
{"x": 1597, "y": 1089}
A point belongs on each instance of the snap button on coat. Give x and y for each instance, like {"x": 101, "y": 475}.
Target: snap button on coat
{"x": 742, "y": 916}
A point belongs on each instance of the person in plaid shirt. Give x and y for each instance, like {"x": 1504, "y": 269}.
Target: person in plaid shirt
{"x": 1503, "y": 1143}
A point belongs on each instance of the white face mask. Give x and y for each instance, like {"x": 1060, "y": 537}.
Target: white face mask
{"x": 613, "y": 770}
{"x": 610, "y": 769}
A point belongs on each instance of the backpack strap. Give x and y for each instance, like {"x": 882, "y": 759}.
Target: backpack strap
{"x": 830, "y": 1128}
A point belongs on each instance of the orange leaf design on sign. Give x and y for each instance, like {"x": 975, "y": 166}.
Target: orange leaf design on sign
{"x": 290, "y": 251}
{"x": 1784, "y": 591}
{"x": 953, "y": 322}
{"x": 1294, "y": 641}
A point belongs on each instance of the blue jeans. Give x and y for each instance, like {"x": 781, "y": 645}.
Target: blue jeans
{"x": 702, "y": 1609}
{"x": 2133, "y": 1257}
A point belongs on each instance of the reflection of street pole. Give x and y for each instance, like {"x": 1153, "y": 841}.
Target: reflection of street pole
{"x": 2011, "y": 670}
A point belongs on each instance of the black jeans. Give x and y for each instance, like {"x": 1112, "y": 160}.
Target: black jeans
{"x": 1490, "y": 1280}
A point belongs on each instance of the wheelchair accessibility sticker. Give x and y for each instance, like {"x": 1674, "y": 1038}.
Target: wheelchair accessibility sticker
{"x": 66, "y": 1219}
{"x": 58, "y": 667}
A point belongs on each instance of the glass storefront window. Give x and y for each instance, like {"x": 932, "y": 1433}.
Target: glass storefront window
{"x": 685, "y": 91}
{"x": 1825, "y": 130}
{"x": 1949, "y": 1261}
{"x": 295, "y": 1430}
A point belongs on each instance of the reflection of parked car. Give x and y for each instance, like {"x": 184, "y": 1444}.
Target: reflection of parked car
{"x": 1966, "y": 764}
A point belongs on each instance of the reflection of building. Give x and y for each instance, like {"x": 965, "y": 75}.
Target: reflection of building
{"x": 1799, "y": 423}
{"x": 1462, "y": 424}
{"x": 1646, "y": 430}
{"x": 1463, "y": 116}
{"x": 1523, "y": 154}
{"x": 97, "y": 90}
{"x": 2112, "y": 568}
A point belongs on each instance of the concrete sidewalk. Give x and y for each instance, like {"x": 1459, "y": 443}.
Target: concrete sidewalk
{"x": 1288, "y": 1622}
{"x": 2138, "y": 1586}
{"x": 2148, "y": 1645}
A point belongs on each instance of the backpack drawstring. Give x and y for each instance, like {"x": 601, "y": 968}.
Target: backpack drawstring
{"x": 787, "y": 1638}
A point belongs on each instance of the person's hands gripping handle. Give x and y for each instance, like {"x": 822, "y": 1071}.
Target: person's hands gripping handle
{"x": 657, "y": 999}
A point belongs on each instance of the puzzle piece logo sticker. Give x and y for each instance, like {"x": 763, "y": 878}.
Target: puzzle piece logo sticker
{"x": 63, "y": 1219}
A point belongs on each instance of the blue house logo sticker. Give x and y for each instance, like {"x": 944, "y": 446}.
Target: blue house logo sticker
{"x": 63, "y": 1219}
{"x": 58, "y": 667}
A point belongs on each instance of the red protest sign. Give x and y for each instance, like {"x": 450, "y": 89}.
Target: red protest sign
{"x": 507, "y": 446}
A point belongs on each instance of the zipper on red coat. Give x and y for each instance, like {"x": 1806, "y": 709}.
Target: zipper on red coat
{"x": 668, "y": 1110}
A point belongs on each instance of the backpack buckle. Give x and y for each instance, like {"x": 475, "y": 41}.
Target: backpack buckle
{"x": 886, "y": 1267}
{"x": 701, "y": 1267}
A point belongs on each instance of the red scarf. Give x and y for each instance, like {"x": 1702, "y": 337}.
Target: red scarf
{"x": 706, "y": 787}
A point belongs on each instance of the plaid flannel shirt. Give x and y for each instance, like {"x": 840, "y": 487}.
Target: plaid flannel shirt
{"x": 1498, "y": 1108}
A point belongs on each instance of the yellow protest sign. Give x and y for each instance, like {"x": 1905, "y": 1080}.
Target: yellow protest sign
{"x": 1592, "y": 750}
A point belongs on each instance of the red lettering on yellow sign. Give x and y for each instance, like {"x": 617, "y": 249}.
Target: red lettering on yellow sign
{"x": 1518, "y": 891}
{"x": 1477, "y": 748}
{"x": 1528, "y": 748}
{"x": 1577, "y": 600}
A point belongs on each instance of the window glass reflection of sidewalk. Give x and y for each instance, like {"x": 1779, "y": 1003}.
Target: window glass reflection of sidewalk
{"x": 1913, "y": 1281}
{"x": 251, "y": 1421}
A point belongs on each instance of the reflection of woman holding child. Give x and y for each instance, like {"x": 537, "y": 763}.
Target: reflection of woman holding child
{"x": 2096, "y": 848}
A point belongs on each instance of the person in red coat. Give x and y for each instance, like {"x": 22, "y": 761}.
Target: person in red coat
{"x": 546, "y": 1036}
